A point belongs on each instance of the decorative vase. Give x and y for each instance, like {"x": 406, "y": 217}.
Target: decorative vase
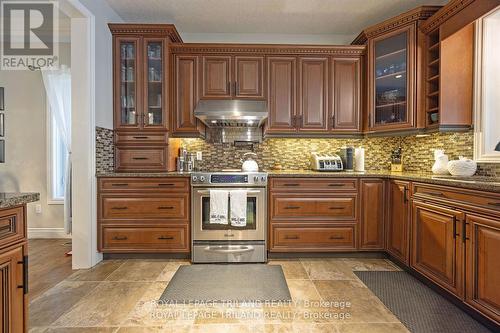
{"x": 440, "y": 166}
{"x": 462, "y": 167}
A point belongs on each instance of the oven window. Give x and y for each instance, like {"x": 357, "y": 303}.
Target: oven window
{"x": 251, "y": 216}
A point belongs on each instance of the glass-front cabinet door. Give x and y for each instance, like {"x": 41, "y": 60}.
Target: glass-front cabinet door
{"x": 392, "y": 58}
{"x": 127, "y": 102}
{"x": 155, "y": 85}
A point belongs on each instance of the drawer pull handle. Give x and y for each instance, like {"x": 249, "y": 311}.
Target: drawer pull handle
{"x": 292, "y": 237}
{"x": 120, "y": 238}
{"x": 119, "y": 184}
{"x": 291, "y": 184}
{"x": 336, "y": 237}
{"x": 292, "y": 207}
{"x": 228, "y": 235}
{"x": 437, "y": 194}
{"x": 336, "y": 207}
{"x": 166, "y": 207}
{"x": 140, "y": 158}
{"x": 336, "y": 185}
{"x": 496, "y": 204}
{"x": 166, "y": 237}
{"x": 140, "y": 137}
{"x": 166, "y": 184}
{"x": 120, "y": 208}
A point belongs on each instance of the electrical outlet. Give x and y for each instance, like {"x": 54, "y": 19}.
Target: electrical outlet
{"x": 38, "y": 209}
{"x": 199, "y": 156}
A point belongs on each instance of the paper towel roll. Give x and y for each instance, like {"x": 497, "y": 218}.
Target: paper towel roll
{"x": 359, "y": 157}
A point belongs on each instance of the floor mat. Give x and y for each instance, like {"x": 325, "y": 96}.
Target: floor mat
{"x": 221, "y": 283}
{"x": 418, "y": 307}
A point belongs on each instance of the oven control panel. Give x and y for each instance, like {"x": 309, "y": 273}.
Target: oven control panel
{"x": 257, "y": 178}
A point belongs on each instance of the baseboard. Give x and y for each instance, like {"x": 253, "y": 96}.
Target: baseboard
{"x": 47, "y": 233}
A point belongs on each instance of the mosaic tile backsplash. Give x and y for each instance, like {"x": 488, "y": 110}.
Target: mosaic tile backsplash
{"x": 293, "y": 154}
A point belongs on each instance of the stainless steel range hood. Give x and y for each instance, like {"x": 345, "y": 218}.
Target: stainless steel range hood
{"x": 231, "y": 113}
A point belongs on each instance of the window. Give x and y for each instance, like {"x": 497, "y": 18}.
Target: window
{"x": 487, "y": 94}
{"x": 57, "y": 159}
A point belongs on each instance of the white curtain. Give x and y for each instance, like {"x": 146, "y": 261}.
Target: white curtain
{"x": 58, "y": 87}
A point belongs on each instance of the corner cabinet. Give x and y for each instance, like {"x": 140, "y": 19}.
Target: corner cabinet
{"x": 395, "y": 72}
{"x": 398, "y": 220}
{"x": 141, "y": 99}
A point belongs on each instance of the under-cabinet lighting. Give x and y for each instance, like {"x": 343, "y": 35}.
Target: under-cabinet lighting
{"x": 398, "y": 76}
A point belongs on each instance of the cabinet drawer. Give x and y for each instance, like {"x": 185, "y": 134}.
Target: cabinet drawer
{"x": 140, "y": 138}
{"x": 329, "y": 208}
{"x": 314, "y": 184}
{"x": 154, "y": 185}
{"x": 12, "y": 226}
{"x": 459, "y": 197}
{"x": 172, "y": 207}
{"x": 141, "y": 159}
{"x": 136, "y": 238}
{"x": 313, "y": 238}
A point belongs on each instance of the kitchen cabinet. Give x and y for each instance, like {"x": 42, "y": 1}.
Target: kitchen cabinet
{"x": 395, "y": 73}
{"x": 313, "y": 214}
{"x": 282, "y": 94}
{"x": 345, "y": 95}
{"x": 371, "y": 228}
{"x": 185, "y": 96}
{"x": 141, "y": 98}
{"x": 313, "y": 95}
{"x": 228, "y": 77}
{"x": 143, "y": 215}
{"x": 482, "y": 241}
{"x": 398, "y": 220}
{"x": 437, "y": 247}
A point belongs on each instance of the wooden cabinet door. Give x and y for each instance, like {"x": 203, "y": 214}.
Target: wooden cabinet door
{"x": 128, "y": 78}
{"x": 216, "y": 73}
{"x": 345, "y": 95}
{"x": 437, "y": 250}
{"x": 372, "y": 214}
{"x": 483, "y": 266}
{"x": 397, "y": 225}
{"x": 186, "y": 94}
{"x": 313, "y": 95}
{"x": 249, "y": 77}
{"x": 281, "y": 83}
{"x": 12, "y": 291}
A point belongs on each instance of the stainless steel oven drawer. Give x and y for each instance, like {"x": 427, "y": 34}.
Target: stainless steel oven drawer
{"x": 210, "y": 252}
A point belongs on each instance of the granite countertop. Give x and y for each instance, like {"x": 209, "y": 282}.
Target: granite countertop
{"x": 8, "y": 200}
{"x": 490, "y": 184}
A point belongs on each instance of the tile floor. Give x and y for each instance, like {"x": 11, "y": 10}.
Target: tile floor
{"x": 118, "y": 296}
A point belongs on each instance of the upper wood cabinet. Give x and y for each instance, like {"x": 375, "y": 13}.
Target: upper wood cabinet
{"x": 398, "y": 220}
{"x": 282, "y": 94}
{"x": 437, "y": 247}
{"x": 482, "y": 265}
{"x": 313, "y": 95}
{"x": 395, "y": 71}
{"x": 185, "y": 96}
{"x": 345, "y": 94}
{"x": 227, "y": 77}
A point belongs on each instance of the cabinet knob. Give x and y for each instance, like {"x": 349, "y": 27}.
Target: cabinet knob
{"x": 120, "y": 238}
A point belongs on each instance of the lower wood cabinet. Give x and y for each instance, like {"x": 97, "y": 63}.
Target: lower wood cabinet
{"x": 313, "y": 238}
{"x": 437, "y": 245}
{"x": 398, "y": 220}
{"x": 143, "y": 215}
{"x": 483, "y": 265}
{"x": 371, "y": 228}
{"x": 12, "y": 295}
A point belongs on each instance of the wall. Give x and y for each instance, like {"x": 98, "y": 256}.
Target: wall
{"x": 25, "y": 168}
{"x": 250, "y": 38}
{"x": 103, "y": 60}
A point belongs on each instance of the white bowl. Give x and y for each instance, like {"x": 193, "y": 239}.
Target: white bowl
{"x": 462, "y": 167}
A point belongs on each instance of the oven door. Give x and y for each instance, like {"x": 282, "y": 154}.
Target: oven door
{"x": 256, "y": 217}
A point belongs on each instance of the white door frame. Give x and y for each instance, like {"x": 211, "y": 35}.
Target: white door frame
{"x": 84, "y": 228}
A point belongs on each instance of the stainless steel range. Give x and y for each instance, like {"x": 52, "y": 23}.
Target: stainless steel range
{"x": 224, "y": 242}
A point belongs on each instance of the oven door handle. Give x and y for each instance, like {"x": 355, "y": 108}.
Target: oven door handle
{"x": 248, "y": 192}
{"x": 229, "y": 250}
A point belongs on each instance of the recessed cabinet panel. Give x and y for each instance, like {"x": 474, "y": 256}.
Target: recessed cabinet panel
{"x": 345, "y": 95}
{"x": 372, "y": 214}
{"x": 216, "y": 77}
{"x": 313, "y": 88}
{"x": 249, "y": 77}
{"x": 398, "y": 220}
{"x": 186, "y": 94}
